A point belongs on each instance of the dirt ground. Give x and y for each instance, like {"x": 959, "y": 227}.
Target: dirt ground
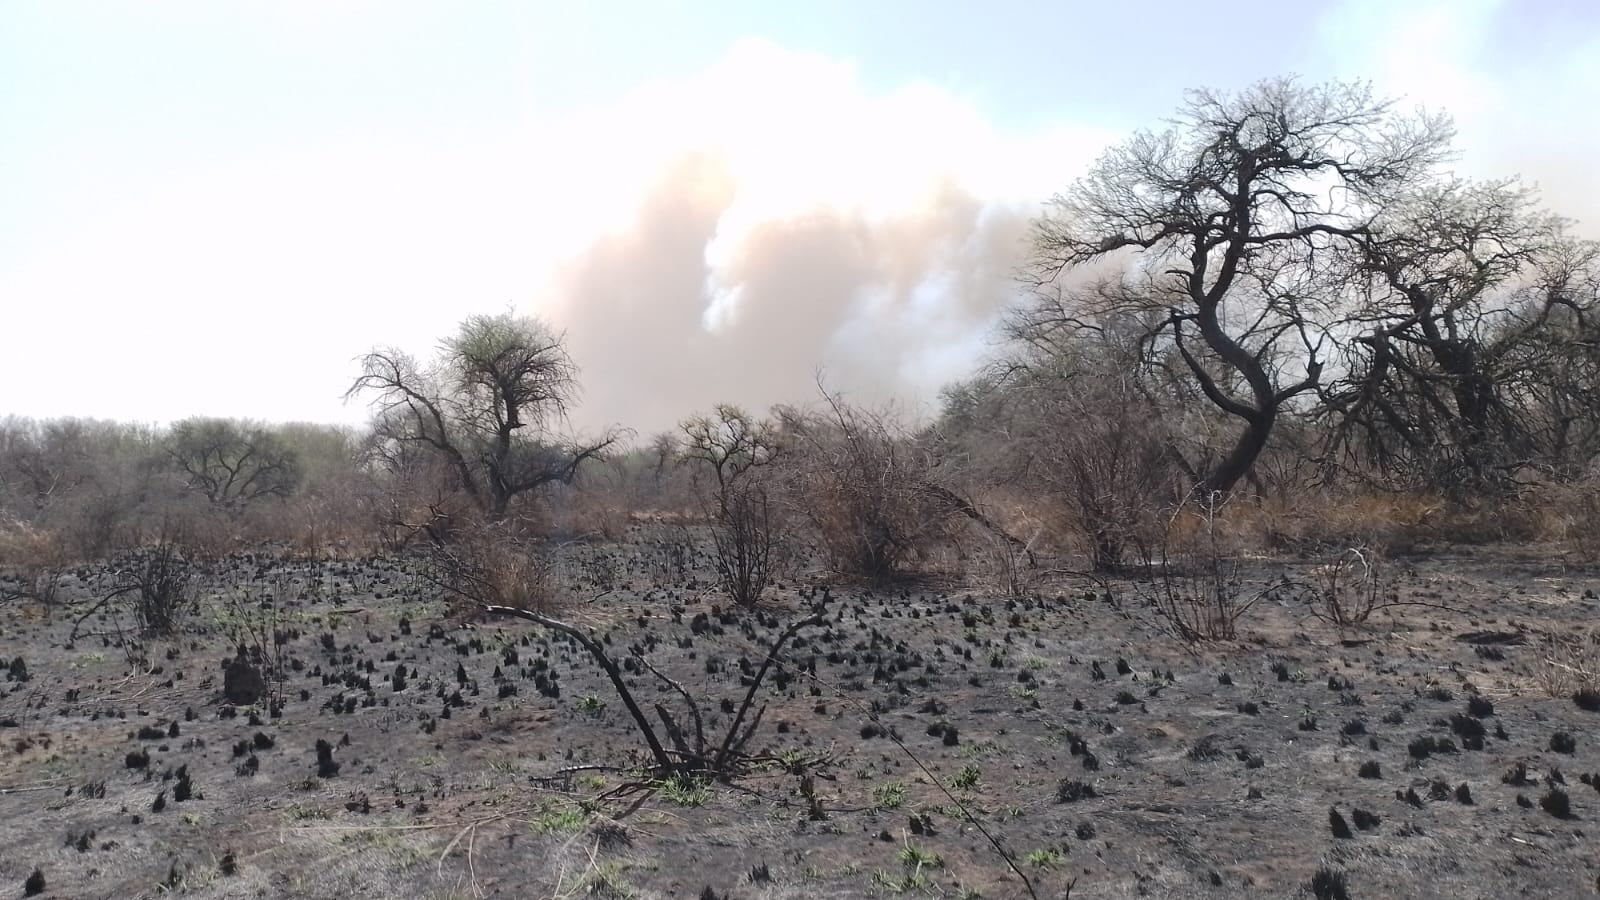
{"x": 1106, "y": 757}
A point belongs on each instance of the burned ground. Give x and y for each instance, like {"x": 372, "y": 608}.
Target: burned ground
{"x": 1437, "y": 750}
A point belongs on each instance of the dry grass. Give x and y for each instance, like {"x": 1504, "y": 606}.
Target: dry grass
{"x": 1568, "y": 515}
{"x": 1569, "y": 663}
{"x": 492, "y": 565}
{"x": 1315, "y": 517}
{"x": 36, "y": 556}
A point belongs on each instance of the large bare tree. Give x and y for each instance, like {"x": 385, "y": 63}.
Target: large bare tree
{"x": 733, "y": 447}
{"x": 487, "y": 408}
{"x": 233, "y": 463}
{"x": 1477, "y": 309}
{"x": 1223, "y": 231}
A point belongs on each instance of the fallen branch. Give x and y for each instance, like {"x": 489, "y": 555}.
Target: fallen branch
{"x": 699, "y": 760}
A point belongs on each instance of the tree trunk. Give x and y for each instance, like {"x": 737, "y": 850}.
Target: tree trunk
{"x": 1246, "y": 450}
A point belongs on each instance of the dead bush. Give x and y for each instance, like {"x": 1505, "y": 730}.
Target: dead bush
{"x": 1102, "y": 452}
{"x": 493, "y": 564}
{"x": 36, "y": 556}
{"x": 1313, "y": 519}
{"x": 154, "y": 586}
{"x": 727, "y": 454}
{"x": 158, "y": 579}
{"x": 1008, "y": 566}
{"x": 1568, "y": 514}
{"x": 332, "y": 521}
{"x": 1569, "y": 663}
{"x": 1351, "y": 587}
{"x": 743, "y": 535}
{"x": 1082, "y": 432}
{"x": 95, "y": 525}
{"x": 864, "y": 485}
{"x": 1201, "y": 588}
{"x": 205, "y": 531}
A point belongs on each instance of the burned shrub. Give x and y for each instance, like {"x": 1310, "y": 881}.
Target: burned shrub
{"x": 729, "y": 452}
{"x": 492, "y": 565}
{"x": 865, "y": 486}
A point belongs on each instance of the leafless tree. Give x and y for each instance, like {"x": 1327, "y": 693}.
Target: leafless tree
{"x": 232, "y": 463}
{"x": 487, "y": 409}
{"x": 1476, "y": 310}
{"x": 728, "y": 448}
{"x": 1226, "y": 225}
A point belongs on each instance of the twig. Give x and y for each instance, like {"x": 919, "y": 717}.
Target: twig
{"x": 611, "y": 670}
{"x": 728, "y": 742}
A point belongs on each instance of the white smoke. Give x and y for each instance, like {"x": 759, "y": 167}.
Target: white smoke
{"x": 772, "y": 216}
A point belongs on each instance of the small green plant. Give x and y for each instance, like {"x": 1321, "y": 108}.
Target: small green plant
{"x": 966, "y": 779}
{"x": 683, "y": 790}
{"x": 914, "y": 857}
{"x": 1046, "y": 858}
{"x": 605, "y": 880}
{"x": 889, "y": 795}
{"x": 592, "y": 705}
{"x": 1025, "y": 694}
{"x": 979, "y": 750}
{"x": 298, "y": 813}
{"x": 562, "y": 818}
{"x": 900, "y": 884}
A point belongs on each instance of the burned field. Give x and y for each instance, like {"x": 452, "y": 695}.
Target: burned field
{"x": 932, "y": 737}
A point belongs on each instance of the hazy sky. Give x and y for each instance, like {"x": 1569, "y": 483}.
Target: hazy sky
{"x": 212, "y": 208}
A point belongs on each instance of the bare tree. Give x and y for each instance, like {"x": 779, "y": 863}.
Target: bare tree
{"x": 1228, "y": 220}
{"x": 486, "y": 408}
{"x": 731, "y": 446}
{"x": 1474, "y": 303}
{"x": 233, "y": 463}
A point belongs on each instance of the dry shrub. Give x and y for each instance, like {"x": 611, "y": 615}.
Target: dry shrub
{"x": 598, "y": 513}
{"x": 1351, "y": 586}
{"x": 1314, "y": 518}
{"x": 1103, "y": 452}
{"x": 728, "y": 455}
{"x": 1569, "y": 663}
{"x": 36, "y": 556}
{"x": 158, "y": 581}
{"x": 97, "y": 524}
{"x": 333, "y": 522}
{"x": 207, "y": 532}
{"x": 1006, "y": 566}
{"x": 494, "y": 565}
{"x": 1092, "y": 452}
{"x": 1201, "y": 588}
{"x": 864, "y": 485}
{"x": 744, "y": 537}
{"x": 1568, "y": 514}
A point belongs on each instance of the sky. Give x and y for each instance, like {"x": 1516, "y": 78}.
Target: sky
{"x": 213, "y": 208}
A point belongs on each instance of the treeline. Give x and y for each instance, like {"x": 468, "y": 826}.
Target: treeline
{"x": 1283, "y": 320}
